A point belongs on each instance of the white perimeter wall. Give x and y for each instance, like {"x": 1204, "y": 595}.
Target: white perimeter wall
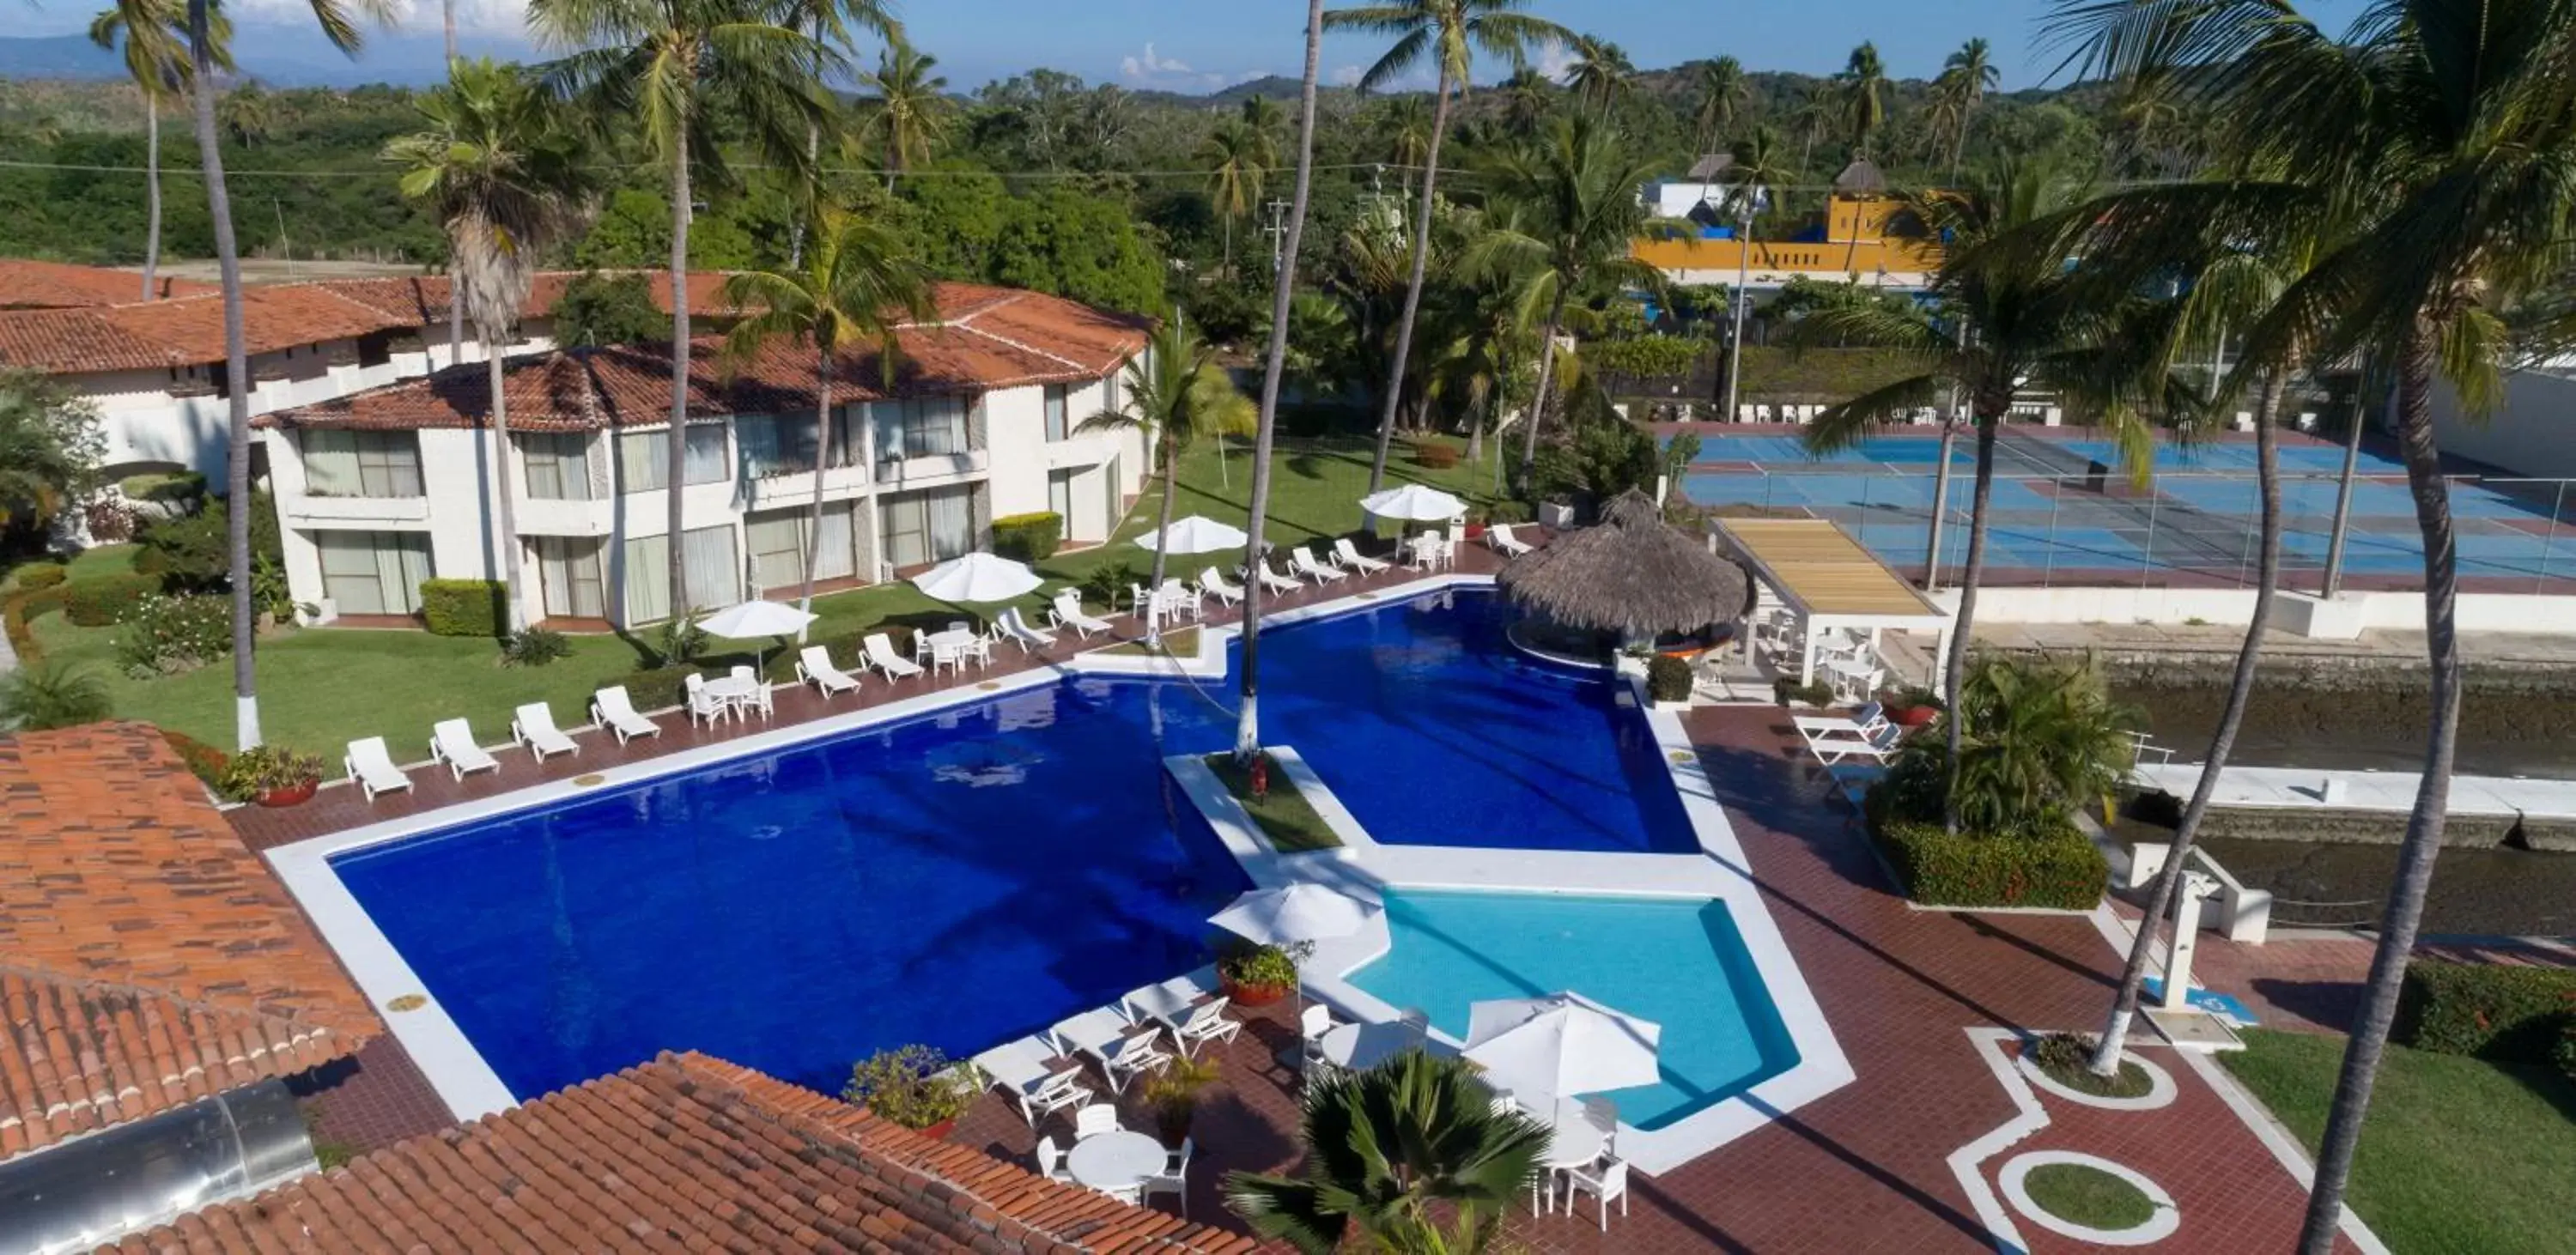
{"x": 2478, "y": 612}
{"x": 2528, "y": 434}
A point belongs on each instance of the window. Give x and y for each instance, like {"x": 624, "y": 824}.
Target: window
{"x": 571, "y": 575}
{"x": 558, "y": 465}
{"x": 774, "y": 444}
{"x": 1060, "y": 499}
{"x": 374, "y": 572}
{"x": 707, "y": 561}
{"x": 1055, "y": 408}
{"x": 926, "y": 527}
{"x": 375, "y": 348}
{"x": 340, "y": 463}
{"x": 919, "y": 428}
{"x": 642, "y": 458}
{"x": 778, "y": 542}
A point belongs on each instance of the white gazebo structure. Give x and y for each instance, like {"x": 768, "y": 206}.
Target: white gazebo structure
{"x": 1830, "y": 582}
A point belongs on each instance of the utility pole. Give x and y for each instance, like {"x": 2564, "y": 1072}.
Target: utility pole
{"x": 1277, "y": 231}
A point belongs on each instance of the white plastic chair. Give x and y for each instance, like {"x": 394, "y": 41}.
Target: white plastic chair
{"x": 1178, "y": 600}
{"x": 534, "y": 726}
{"x": 1095, "y": 1119}
{"x": 814, "y": 666}
{"x": 881, "y": 655}
{"x": 451, "y": 741}
{"x": 949, "y": 654}
{"x": 1213, "y": 583}
{"x": 1050, "y": 1160}
{"x": 704, "y": 706}
{"x": 1174, "y": 1179}
{"x": 372, "y": 766}
{"x": 1350, "y": 556}
{"x": 611, "y": 708}
{"x": 1605, "y": 1180}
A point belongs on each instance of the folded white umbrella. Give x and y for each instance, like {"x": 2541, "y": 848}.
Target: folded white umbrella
{"x": 1564, "y": 1044}
{"x": 1300, "y": 912}
{"x": 1413, "y": 501}
{"x": 978, "y": 576}
{"x": 756, "y": 618}
{"x": 1195, "y": 534}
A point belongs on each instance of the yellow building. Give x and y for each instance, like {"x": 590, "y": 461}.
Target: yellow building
{"x": 1867, "y": 239}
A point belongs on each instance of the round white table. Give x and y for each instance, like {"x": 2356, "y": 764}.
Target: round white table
{"x": 1358, "y": 1046}
{"x": 1116, "y": 1162}
{"x": 738, "y": 694}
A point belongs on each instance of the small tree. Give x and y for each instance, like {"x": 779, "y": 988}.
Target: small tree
{"x": 2038, "y": 740}
{"x": 600, "y": 309}
{"x": 50, "y": 448}
{"x": 1176, "y": 394}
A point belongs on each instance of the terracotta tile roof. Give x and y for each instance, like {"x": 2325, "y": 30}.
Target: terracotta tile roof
{"x": 682, "y": 1153}
{"x": 147, "y": 959}
{"x": 26, "y": 284}
{"x": 987, "y": 338}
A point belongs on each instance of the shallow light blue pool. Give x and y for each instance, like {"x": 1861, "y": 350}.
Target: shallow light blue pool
{"x": 962, "y": 878}
{"x": 1679, "y": 963}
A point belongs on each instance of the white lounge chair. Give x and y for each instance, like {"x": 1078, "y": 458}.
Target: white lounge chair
{"x": 1123, "y": 1050}
{"x": 1186, "y": 1010}
{"x": 534, "y": 726}
{"x": 1015, "y": 628}
{"x": 814, "y": 666}
{"x": 1272, "y": 581}
{"x": 1351, "y": 558}
{"x": 1304, "y": 563}
{"x": 1499, "y": 537}
{"x": 882, "y": 656}
{"x": 451, "y": 741}
{"x": 372, "y": 766}
{"x": 1832, "y": 739}
{"x": 1214, "y": 583}
{"x": 612, "y": 709}
{"x": 1030, "y": 1071}
{"x": 1068, "y": 612}
{"x": 704, "y": 706}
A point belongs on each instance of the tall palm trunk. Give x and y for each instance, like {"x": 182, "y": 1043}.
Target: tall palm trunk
{"x": 2432, "y": 798}
{"x": 1247, "y": 718}
{"x": 219, "y": 210}
{"x": 2222, "y": 742}
{"x": 1151, "y": 611}
{"x": 814, "y": 510}
{"x": 1954, "y": 666}
{"x": 679, "y": 444}
{"x": 448, "y": 15}
{"x": 1546, "y": 374}
{"x": 151, "y": 191}
{"x": 513, "y": 608}
{"x": 1413, "y": 286}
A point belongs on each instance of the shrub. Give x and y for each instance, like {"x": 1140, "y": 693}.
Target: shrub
{"x": 658, "y": 688}
{"x": 464, "y": 607}
{"x": 1432, "y": 455}
{"x": 45, "y": 695}
{"x": 2068, "y": 1060}
{"x": 175, "y": 488}
{"x": 109, "y": 522}
{"x": 2502, "y": 1013}
{"x": 2050, "y": 867}
{"x": 1028, "y": 537}
{"x": 1258, "y": 967}
{"x": 105, "y": 599}
{"x": 195, "y": 550}
{"x": 533, "y": 647}
{"x": 1106, "y": 584}
{"x": 1668, "y": 679}
{"x": 36, "y": 575}
{"x": 1815, "y": 692}
{"x": 1647, "y": 357}
{"x": 204, "y": 761}
{"x": 1508, "y": 510}
{"x": 2042, "y": 739}
{"x": 166, "y": 635}
{"x": 2565, "y": 1054}
{"x": 847, "y": 650}
{"x": 913, "y": 1086}
{"x": 264, "y": 767}
{"x": 679, "y": 642}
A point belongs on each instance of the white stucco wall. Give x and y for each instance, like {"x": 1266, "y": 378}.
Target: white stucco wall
{"x": 2528, "y": 434}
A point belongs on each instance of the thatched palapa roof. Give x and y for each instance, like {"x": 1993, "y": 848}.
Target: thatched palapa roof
{"x": 1630, "y": 573}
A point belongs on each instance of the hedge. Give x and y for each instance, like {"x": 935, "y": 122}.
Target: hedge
{"x": 1668, "y": 679}
{"x": 1030, "y": 537}
{"x": 463, "y": 607}
{"x": 2063, "y": 870}
{"x": 176, "y": 486}
{"x": 37, "y": 575}
{"x": 1434, "y": 456}
{"x": 2505, "y": 1013}
{"x": 204, "y": 761}
{"x": 658, "y": 688}
{"x": 19, "y": 607}
{"x": 105, "y": 599}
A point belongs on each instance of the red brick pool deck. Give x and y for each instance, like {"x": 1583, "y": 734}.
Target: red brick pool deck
{"x": 1863, "y": 1169}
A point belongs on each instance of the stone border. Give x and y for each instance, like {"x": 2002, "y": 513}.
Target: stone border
{"x": 2161, "y": 1090}
{"x": 2015, "y": 1178}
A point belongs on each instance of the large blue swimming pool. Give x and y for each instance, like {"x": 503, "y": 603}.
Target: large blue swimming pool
{"x": 966, "y": 877}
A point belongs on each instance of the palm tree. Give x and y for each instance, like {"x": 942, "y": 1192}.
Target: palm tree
{"x": 1864, "y": 80}
{"x": 2041, "y": 739}
{"x": 1723, "y": 90}
{"x": 834, "y": 25}
{"x": 907, "y": 111}
{"x": 1389, "y": 1152}
{"x": 1760, "y": 164}
{"x": 1570, "y": 212}
{"x": 1601, "y": 74}
{"x": 1238, "y": 157}
{"x": 1450, "y": 33}
{"x": 2444, "y": 122}
{"x": 1178, "y": 395}
{"x": 1527, "y": 98}
{"x": 156, "y": 58}
{"x": 1405, "y": 123}
{"x": 506, "y": 179}
{"x": 334, "y": 17}
{"x": 855, "y": 285}
{"x": 1815, "y": 112}
{"x": 1267, "y": 116}
{"x": 668, "y": 64}
{"x": 249, "y": 114}
{"x": 1247, "y": 718}
{"x": 1965, "y": 79}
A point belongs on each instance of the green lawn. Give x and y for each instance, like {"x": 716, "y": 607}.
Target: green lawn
{"x": 2458, "y": 1154}
{"x": 2089, "y": 1197}
{"x": 320, "y": 689}
{"x": 1285, "y": 816}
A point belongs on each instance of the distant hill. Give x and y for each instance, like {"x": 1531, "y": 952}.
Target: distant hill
{"x": 57, "y": 57}
{"x": 277, "y": 55}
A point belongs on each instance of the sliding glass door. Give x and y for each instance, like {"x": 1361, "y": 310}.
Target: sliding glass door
{"x": 709, "y": 564}
{"x": 374, "y": 572}
{"x": 926, "y": 527}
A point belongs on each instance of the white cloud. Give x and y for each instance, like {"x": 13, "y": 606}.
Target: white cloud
{"x": 1150, "y": 67}
{"x": 1554, "y": 60}
{"x": 1348, "y": 76}
{"x": 509, "y": 17}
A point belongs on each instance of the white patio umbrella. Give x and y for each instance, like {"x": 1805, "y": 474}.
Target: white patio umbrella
{"x": 1563, "y": 1044}
{"x": 746, "y": 619}
{"x": 1195, "y": 534}
{"x": 978, "y": 577}
{"x": 1292, "y": 918}
{"x": 1413, "y": 502}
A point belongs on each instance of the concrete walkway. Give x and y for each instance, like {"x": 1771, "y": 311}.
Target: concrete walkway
{"x": 2182, "y": 640}
{"x": 2388, "y": 791}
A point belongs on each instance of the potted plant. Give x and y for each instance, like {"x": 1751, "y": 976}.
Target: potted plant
{"x": 1174, "y": 1096}
{"x": 1475, "y": 524}
{"x": 1256, "y": 976}
{"x": 1913, "y": 706}
{"x": 1669, "y": 683}
{"x": 270, "y": 775}
{"x": 916, "y": 1087}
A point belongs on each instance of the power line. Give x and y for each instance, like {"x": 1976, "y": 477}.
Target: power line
{"x": 388, "y": 171}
